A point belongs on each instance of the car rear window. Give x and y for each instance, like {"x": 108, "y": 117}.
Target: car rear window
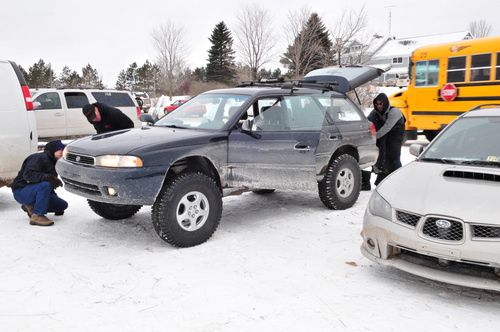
{"x": 115, "y": 99}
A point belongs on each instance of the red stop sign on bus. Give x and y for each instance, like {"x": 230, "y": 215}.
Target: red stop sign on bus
{"x": 449, "y": 92}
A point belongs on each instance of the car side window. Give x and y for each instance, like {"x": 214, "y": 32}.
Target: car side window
{"x": 342, "y": 109}
{"x": 272, "y": 115}
{"x": 47, "y": 101}
{"x": 306, "y": 113}
{"x": 76, "y": 99}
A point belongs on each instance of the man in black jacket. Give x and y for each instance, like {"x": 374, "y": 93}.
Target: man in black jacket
{"x": 390, "y": 124}
{"x": 35, "y": 184}
{"x": 106, "y": 118}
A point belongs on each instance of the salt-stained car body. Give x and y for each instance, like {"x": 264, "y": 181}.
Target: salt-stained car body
{"x": 258, "y": 137}
{"x": 438, "y": 217}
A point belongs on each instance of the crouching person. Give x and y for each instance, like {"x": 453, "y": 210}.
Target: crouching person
{"x": 35, "y": 184}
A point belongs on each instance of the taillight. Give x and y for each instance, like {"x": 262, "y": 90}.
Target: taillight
{"x": 373, "y": 130}
{"x": 27, "y": 98}
{"x": 138, "y": 112}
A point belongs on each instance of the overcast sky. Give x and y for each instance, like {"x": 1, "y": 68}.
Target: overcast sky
{"x": 111, "y": 35}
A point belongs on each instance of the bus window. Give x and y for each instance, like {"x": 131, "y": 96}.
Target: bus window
{"x": 480, "y": 67}
{"x": 456, "y": 69}
{"x": 427, "y": 73}
{"x": 498, "y": 67}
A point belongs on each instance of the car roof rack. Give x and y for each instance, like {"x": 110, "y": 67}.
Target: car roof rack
{"x": 478, "y": 107}
{"x": 291, "y": 84}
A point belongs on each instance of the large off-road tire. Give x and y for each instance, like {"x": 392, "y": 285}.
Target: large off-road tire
{"x": 113, "y": 211}
{"x": 188, "y": 210}
{"x": 340, "y": 188}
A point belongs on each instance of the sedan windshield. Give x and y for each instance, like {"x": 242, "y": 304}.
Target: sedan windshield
{"x": 206, "y": 111}
{"x": 469, "y": 140}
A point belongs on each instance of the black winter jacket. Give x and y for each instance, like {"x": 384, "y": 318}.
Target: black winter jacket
{"x": 111, "y": 119}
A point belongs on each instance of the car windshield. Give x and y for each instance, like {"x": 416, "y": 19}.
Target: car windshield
{"x": 469, "y": 140}
{"x": 206, "y": 111}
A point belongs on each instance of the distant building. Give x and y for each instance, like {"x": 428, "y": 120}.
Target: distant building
{"x": 396, "y": 53}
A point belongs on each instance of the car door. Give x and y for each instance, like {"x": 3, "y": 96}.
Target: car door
{"x": 76, "y": 122}
{"x": 50, "y": 115}
{"x": 280, "y": 150}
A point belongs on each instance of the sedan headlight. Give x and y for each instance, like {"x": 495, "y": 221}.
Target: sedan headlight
{"x": 118, "y": 161}
{"x": 378, "y": 206}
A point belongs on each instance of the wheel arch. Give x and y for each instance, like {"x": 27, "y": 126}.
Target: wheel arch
{"x": 345, "y": 149}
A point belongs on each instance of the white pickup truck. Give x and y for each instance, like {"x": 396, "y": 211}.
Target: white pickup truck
{"x": 59, "y": 111}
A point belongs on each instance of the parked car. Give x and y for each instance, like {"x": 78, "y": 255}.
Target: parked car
{"x": 403, "y": 81}
{"x": 390, "y": 82}
{"x": 59, "y": 111}
{"x": 257, "y": 137}
{"x": 438, "y": 217}
{"x": 174, "y": 105}
{"x": 18, "y": 125}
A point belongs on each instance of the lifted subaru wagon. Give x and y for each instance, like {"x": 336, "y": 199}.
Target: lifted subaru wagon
{"x": 290, "y": 135}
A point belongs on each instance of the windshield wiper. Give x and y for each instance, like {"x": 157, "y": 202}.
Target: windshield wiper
{"x": 481, "y": 163}
{"x": 173, "y": 126}
{"x": 439, "y": 160}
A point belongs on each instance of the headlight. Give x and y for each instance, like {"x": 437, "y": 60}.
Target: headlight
{"x": 379, "y": 206}
{"x": 118, "y": 161}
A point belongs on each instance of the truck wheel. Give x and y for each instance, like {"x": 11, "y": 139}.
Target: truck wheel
{"x": 340, "y": 188}
{"x": 113, "y": 211}
{"x": 188, "y": 210}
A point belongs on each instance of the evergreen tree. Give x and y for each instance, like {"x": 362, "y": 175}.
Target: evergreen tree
{"x": 41, "y": 75}
{"x": 312, "y": 49}
{"x": 69, "y": 78}
{"x": 90, "y": 78}
{"x": 221, "y": 66}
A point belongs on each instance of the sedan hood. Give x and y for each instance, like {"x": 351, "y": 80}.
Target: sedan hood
{"x": 142, "y": 140}
{"x": 467, "y": 193}
{"x": 348, "y": 77}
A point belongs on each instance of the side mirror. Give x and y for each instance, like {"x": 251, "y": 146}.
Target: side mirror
{"x": 36, "y": 104}
{"x": 247, "y": 125}
{"x": 416, "y": 149}
{"x": 147, "y": 118}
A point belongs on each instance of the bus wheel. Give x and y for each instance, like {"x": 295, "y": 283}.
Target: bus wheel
{"x": 430, "y": 134}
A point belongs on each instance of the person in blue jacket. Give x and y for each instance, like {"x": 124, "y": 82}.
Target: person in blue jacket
{"x": 35, "y": 184}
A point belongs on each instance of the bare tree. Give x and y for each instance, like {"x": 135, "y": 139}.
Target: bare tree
{"x": 479, "y": 29}
{"x": 256, "y": 40}
{"x": 345, "y": 30}
{"x": 169, "y": 43}
{"x": 307, "y": 49}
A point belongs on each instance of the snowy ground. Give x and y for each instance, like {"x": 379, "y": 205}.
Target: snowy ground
{"x": 281, "y": 262}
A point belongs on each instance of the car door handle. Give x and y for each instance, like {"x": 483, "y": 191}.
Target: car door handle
{"x": 300, "y": 146}
{"x": 334, "y": 137}
{"x": 58, "y": 114}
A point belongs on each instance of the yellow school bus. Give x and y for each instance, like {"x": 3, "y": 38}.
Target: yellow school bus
{"x": 448, "y": 80}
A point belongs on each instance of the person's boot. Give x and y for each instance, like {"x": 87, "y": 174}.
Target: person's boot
{"x": 29, "y": 209}
{"x": 59, "y": 213}
{"x": 40, "y": 220}
{"x": 365, "y": 180}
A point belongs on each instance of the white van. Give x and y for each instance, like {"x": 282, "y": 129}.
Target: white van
{"x": 18, "y": 125}
{"x": 59, "y": 111}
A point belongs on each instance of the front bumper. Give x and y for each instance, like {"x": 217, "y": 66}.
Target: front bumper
{"x": 133, "y": 186}
{"x": 391, "y": 244}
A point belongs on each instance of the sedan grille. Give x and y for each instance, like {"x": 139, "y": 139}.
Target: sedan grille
{"x": 443, "y": 229}
{"x": 489, "y": 232}
{"x": 80, "y": 159}
{"x": 408, "y": 218}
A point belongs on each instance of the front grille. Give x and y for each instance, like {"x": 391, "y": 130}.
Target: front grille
{"x": 80, "y": 159}
{"x": 489, "y": 232}
{"x": 82, "y": 187}
{"x": 455, "y": 231}
{"x": 408, "y": 218}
